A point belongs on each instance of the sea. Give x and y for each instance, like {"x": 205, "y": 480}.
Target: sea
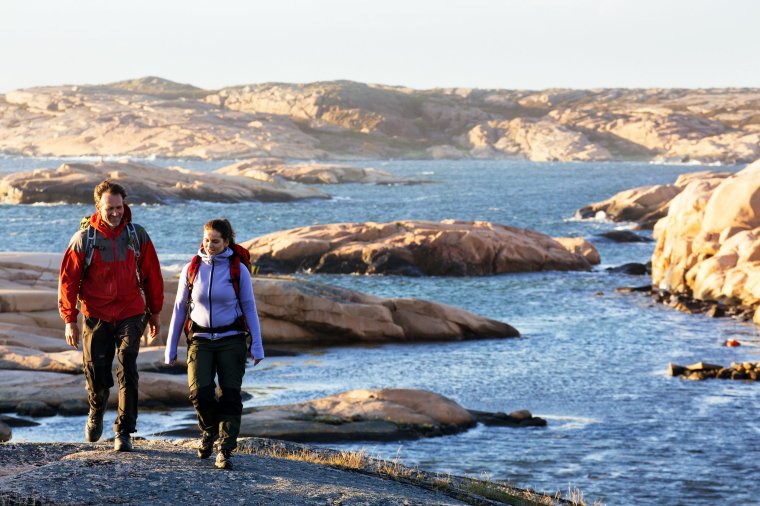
{"x": 591, "y": 360}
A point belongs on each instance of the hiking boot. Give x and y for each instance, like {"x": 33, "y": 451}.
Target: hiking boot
{"x": 223, "y": 459}
{"x": 93, "y": 429}
{"x": 207, "y": 445}
{"x": 122, "y": 442}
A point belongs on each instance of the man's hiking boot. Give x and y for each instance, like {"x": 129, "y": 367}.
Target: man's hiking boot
{"x": 122, "y": 442}
{"x": 93, "y": 429}
{"x": 207, "y": 445}
{"x": 223, "y": 459}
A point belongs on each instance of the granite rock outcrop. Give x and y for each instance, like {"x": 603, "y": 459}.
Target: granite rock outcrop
{"x": 708, "y": 246}
{"x": 145, "y": 184}
{"x": 274, "y": 169}
{"x": 416, "y": 248}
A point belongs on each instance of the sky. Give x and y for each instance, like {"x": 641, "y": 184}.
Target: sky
{"x": 511, "y": 44}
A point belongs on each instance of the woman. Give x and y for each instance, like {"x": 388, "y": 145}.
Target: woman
{"x": 220, "y": 321}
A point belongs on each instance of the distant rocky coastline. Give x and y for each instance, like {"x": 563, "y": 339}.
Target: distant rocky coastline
{"x": 145, "y": 184}
{"x": 343, "y": 119}
{"x": 274, "y": 169}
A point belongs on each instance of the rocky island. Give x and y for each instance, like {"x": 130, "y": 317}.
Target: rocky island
{"x": 418, "y": 248}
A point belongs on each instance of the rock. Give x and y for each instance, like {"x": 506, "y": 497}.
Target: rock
{"x": 633, "y": 269}
{"x": 448, "y": 248}
{"x": 273, "y": 169}
{"x": 357, "y": 415}
{"x": 580, "y": 246}
{"x": 12, "y": 421}
{"x": 647, "y": 204}
{"x": 74, "y": 407}
{"x": 676, "y": 370}
{"x": 5, "y": 432}
{"x": 701, "y": 371}
{"x": 709, "y": 244}
{"x": 291, "y": 311}
{"x": 536, "y": 139}
{"x": 145, "y": 184}
{"x": 52, "y": 389}
{"x": 522, "y": 418}
{"x": 16, "y": 357}
{"x": 624, "y": 236}
{"x": 344, "y": 119}
{"x": 266, "y": 472}
{"x": 34, "y": 408}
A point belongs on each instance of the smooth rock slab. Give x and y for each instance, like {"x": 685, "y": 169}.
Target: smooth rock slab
{"x": 167, "y": 473}
{"x": 644, "y": 205}
{"x": 270, "y": 169}
{"x": 54, "y": 388}
{"x": 367, "y": 415}
{"x": 145, "y": 184}
{"x": 415, "y": 248}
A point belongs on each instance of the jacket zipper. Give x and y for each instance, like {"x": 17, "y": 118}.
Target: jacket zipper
{"x": 210, "y": 309}
{"x": 114, "y": 274}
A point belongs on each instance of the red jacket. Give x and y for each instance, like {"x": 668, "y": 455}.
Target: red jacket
{"x": 109, "y": 289}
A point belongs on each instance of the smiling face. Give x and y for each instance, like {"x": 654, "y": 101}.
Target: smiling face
{"x": 111, "y": 209}
{"x": 213, "y": 242}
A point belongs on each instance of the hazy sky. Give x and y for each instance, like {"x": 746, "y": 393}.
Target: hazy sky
{"x": 423, "y": 44}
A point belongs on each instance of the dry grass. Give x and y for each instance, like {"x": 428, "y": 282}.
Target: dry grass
{"x": 482, "y": 491}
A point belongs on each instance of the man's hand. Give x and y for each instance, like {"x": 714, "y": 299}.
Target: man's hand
{"x": 154, "y": 325}
{"x": 72, "y": 334}
{"x": 255, "y": 360}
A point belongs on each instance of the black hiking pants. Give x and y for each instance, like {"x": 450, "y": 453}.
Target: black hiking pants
{"x": 225, "y": 359}
{"x": 102, "y": 340}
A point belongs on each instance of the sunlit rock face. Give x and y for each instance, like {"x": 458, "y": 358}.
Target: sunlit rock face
{"x": 708, "y": 245}
{"x": 645, "y": 205}
{"x": 339, "y": 119}
{"x": 416, "y": 248}
{"x": 145, "y": 184}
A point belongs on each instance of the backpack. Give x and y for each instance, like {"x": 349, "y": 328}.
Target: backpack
{"x": 240, "y": 256}
{"x": 133, "y": 243}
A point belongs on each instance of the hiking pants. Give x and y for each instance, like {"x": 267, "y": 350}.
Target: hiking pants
{"x": 102, "y": 340}
{"x": 224, "y": 358}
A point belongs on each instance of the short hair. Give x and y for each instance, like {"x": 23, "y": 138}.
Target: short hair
{"x": 109, "y": 187}
{"x": 223, "y": 226}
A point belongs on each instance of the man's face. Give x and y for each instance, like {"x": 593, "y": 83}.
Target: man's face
{"x": 111, "y": 209}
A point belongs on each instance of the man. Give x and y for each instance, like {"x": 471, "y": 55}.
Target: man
{"x": 109, "y": 264}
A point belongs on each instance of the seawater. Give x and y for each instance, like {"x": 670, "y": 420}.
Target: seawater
{"x": 592, "y": 361}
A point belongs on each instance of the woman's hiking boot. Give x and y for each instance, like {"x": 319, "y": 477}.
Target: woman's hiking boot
{"x": 223, "y": 459}
{"x": 122, "y": 442}
{"x": 93, "y": 429}
{"x": 206, "y": 447}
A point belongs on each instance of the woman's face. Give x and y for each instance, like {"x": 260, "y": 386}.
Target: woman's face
{"x": 213, "y": 242}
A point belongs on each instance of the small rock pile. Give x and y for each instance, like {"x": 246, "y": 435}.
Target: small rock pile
{"x": 700, "y": 371}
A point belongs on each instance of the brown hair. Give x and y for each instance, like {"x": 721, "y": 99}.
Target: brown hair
{"x": 223, "y": 226}
{"x": 109, "y": 187}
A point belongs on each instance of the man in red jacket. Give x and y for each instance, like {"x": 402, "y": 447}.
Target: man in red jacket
{"x": 111, "y": 267}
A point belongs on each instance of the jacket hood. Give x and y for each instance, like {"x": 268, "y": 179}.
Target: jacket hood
{"x": 102, "y": 227}
{"x": 207, "y": 259}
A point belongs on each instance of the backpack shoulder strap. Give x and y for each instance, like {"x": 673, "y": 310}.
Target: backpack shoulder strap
{"x": 235, "y": 273}
{"x": 236, "y": 260}
{"x": 89, "y": 246}
{"x": 192, "y": 272}
{"x": 134, "y": 240}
